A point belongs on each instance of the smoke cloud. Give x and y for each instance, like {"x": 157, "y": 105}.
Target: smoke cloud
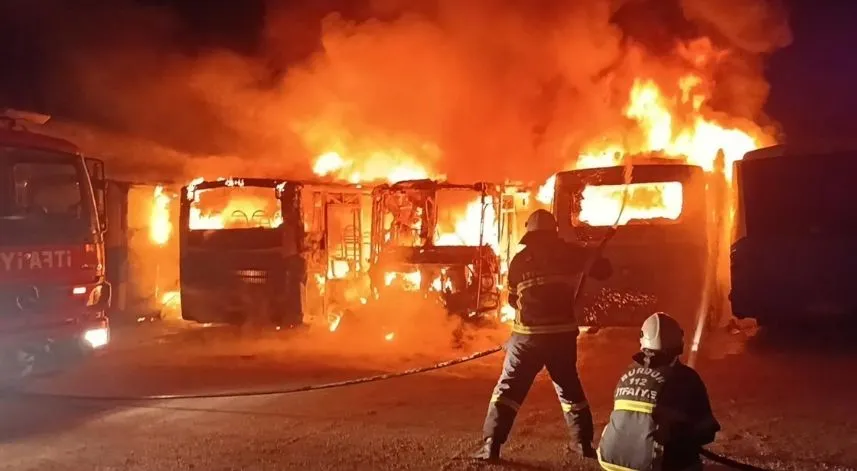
{"x": 488, "y": 89}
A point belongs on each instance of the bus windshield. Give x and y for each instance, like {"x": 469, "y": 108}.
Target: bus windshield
{"x": 799, "y": 196}
{"x": 636, "y": 203}
{"x": 43, "y": 195}
{"x": 235, "y": 207}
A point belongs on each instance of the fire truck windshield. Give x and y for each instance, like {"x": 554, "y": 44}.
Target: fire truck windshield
{"x": 43, "y": 195}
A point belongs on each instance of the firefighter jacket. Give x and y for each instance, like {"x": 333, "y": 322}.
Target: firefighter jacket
{"x": 544, "y": 279}
{"x": 661, "y": 418}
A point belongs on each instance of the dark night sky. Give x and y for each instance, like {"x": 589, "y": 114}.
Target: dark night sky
{"x": 812, "y": 80}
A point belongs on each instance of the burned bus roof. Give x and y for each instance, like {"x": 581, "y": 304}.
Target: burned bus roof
{"x": 428, "y": 184}
{"x": 273, "y": 183}
{"x": 783, "y": 150}
{"x": 639, "y": 172}
{"x": 649, "y": 164}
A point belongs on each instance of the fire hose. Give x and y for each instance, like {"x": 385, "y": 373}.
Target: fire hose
{"x": 267, "y": 392}
{"x": 729, "y": 462}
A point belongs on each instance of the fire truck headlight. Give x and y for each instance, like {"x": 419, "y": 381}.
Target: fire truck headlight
{"x": 97, "y": 338}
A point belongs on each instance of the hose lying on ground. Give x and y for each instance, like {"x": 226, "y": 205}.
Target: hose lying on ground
{"x": 267, "y": 392}
{"x": 315, "y": 387}
{"x": 729, "y": 462}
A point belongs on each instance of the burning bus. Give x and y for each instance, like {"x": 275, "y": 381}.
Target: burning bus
{"x": 240, "y": 244}
{"x": 439, "y": 239}
{"x": 249, "y": 247}
{"x": 793, "y": 249}
{"x": 660, "y": 251}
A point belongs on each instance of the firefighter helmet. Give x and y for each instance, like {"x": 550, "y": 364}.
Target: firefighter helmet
{"x": 541, "y": 220}
{"x": 661, "y": 333}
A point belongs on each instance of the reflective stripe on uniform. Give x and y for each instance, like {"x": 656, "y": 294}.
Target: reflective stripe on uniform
{"x": 544, "y": 329}
{"x": 633, "y": 406}
{"x": 497, "y": 399}
{"x": 609, "y": 466}
{"x": 566, "y": 408}
{"x": 524, "y": 285}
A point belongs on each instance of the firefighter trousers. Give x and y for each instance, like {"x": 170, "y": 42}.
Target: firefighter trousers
{"x": 526, "y": 355}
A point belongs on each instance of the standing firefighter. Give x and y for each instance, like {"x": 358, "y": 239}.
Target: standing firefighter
{"x": 544, "y": 279}
{"x": 661, "y": 415}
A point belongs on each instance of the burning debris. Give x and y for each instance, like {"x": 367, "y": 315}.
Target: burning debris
{"x": 420, "y": 245}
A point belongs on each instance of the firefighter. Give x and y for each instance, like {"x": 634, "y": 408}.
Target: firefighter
{"x": 661, "y": 414}
{"x": 544, "y": 279}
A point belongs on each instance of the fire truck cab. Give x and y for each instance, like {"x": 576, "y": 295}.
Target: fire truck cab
{"x": 53, "y": 292}
{"x": 659, "y": 253}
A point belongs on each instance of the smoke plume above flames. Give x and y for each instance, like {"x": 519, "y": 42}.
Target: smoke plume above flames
{"x": 483, "y": 89}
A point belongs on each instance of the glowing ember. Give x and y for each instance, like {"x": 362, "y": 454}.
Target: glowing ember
{"x": 389, "y": 337}
{"x": 160, "y": 227}
{"x": 601, "y": 205}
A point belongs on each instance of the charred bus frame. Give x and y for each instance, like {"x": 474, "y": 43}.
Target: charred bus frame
{"x": 261, "y": 273}
{"x": 237, "y": 275}
{"x": 411, "y": 208}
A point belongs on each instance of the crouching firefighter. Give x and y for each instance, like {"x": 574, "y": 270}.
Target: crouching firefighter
{"x": 544, "y": 279}
{"x": 661, "y": 414}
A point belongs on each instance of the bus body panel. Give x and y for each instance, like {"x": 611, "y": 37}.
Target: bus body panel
{"x": 656, "y": 266}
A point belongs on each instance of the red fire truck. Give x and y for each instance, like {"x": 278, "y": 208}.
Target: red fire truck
{"x": 53, "y": 292}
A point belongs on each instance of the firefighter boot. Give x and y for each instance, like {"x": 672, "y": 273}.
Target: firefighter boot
{"x": 584, "y": 450}
{"x": 488, "y": 451}
{"x": 581, "y": 429}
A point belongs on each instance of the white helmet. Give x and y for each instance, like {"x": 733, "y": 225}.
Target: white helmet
{"x": 661, "y": 333}
{"x": 541, "y": 220}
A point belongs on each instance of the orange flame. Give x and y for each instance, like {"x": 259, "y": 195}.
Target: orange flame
{"x": 469, "y": 227}
{"x": 694, "y": 139}
{"x": 160, "y": 227}
{"x": 389, "y": 166}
